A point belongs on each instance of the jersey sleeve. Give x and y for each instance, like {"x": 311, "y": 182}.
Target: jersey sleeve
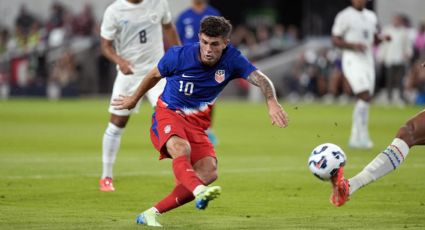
{"x": 168, "y": 63}
{"x": 166, "y": 18}
{"x": 242, "y": 67}
{"x": 340, "y": 25}
{"x": 108, "y": 28}
{"x": 215, "y": 12}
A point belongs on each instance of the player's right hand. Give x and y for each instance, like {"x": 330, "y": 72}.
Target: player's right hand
{"x": 277, "y": 115}
{"x": 124, "y": 102}
{"x": 359, "y": 47}
{"x": 125, "y": 67}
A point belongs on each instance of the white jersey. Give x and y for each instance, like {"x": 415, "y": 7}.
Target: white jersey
{"x": 356, "y": 26}
{"x": 398, "y": 49}
{"x": 136, "y": 30}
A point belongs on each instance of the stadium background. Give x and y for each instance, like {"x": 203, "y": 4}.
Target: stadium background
{"x": 62, "y": 59}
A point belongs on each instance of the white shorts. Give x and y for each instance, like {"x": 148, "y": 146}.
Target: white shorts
{"x": 126, "y": 85}
{"x": 360, "y": 75}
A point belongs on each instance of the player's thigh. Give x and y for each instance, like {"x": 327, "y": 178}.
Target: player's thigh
{"x": 154, "y": 93}
{"x": 177, "y": 146}
{"x": 166, "y": 124}
{"x": 360, "y": 77}
{"x": 124, "y": 85}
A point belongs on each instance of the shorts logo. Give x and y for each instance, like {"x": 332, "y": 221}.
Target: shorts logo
{"x": 167, "y": 129}
{"x": 220, "y": 75}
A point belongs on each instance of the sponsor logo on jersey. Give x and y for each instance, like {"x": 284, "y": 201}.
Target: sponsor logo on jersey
{"x": 124, "y": 22}
{"x": 220, "y": 75}
{"x": 167, "y": 129}
{"x": 187, "y": 76}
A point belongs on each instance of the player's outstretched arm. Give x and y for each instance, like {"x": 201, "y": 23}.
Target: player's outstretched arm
{"x": 276, "y": 113}
{"x": 129, "y": 102}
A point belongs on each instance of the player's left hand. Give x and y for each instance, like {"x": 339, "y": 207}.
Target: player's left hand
{"x": 278, "y": 116}
{"x": 124, "y": 102}
{"x": 387, "y": 38}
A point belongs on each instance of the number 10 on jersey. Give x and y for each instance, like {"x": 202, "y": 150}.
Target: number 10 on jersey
{"x": 186, "y": 87}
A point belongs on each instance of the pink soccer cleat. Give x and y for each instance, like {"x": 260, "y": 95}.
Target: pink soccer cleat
{"x": 106, "y": 185}
{"x": 340, "y": 188}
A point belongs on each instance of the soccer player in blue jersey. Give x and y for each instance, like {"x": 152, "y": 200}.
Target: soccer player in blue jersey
{"x": 188, "y": 24}
{"x": 196, "y": 74}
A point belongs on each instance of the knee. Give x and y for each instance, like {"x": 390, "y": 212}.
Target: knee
{"x": 208, "y": 175}
{"x": 364, "y": 96}
{"x": 406, "y": 132}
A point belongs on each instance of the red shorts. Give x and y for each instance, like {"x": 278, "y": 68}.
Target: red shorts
{"x": 167, "y": 123}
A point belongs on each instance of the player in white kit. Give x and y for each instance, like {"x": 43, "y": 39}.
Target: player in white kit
{"x": 355, "y": 31}
{"x": 132, "y": 38}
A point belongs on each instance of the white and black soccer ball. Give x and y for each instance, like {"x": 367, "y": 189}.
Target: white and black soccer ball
{"x": 325, "y": 160}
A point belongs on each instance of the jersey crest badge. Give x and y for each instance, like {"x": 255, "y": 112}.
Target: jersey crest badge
{"x": 167, "y": 129}
{"x": 219, "y": 75}
{"x": 154, "y": 18}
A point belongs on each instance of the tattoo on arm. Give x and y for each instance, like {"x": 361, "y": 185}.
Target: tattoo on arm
{"x": 257, "y": 78}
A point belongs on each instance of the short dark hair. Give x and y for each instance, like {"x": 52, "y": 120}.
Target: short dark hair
{"x": 215, "y": 26}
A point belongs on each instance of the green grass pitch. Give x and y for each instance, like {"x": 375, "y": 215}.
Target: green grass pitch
{"x": 50, "y": 163}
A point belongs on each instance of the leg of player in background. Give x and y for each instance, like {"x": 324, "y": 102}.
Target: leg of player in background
{"x": 410, "y": 134}
{"x": 211, "y": 136}
{"x": 110, "y": 147}
{"x": 360, "y": 122}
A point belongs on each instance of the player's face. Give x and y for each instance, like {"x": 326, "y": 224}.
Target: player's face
{"x": 358, "y": 4}
{"x": 199, "y": 1}
{"x": 211, "y": 48}
{"x": 135, "y": 1}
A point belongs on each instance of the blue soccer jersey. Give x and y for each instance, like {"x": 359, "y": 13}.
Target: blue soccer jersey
{"x": 189, "y": 21}
{"x": 193, "y": 87}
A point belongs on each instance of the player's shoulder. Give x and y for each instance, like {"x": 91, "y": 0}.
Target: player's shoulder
{"x": 211, "y": 10}
{"x": 346, "y": 11}
{"x": 183, "y": 51}
{"x": 232, "y": 52}
{"x": 371, "y": 14}
{"x": 185, "y": 13}
{"x": 116, "y": 5}
{"x": 159, "y": 2}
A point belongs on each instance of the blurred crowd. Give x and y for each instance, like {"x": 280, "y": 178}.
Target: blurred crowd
{"x": 61, "y": 55}
{"x": 39, "y": 56}
{"x": 317, "y": 74}
{"x": 260, "y": 41}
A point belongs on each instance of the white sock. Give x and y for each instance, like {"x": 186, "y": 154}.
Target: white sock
{"x": 384, "y": 163}
{"x": 364, "y": 120}
{"x": 359, "y": 129}
{"x": 199, "y": 189}
{"x": 153, "y": 209}
{"x": 110, "y": 147}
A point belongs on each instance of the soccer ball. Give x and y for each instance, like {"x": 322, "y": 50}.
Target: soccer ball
{"x": 325, "y": 160}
